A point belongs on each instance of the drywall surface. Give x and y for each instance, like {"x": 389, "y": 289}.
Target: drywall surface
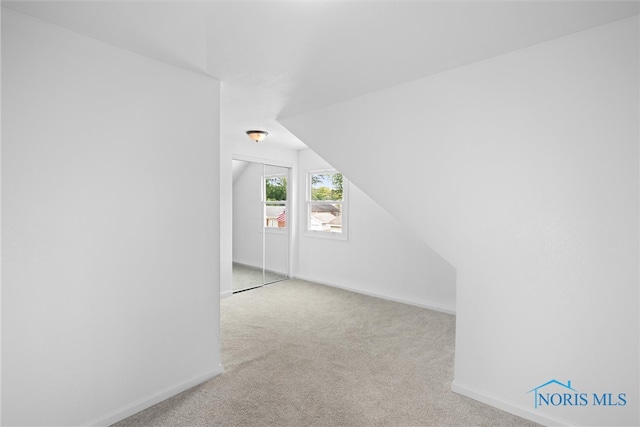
{"x": 522, "y": 171}
{"x": 110, "y": 298}
{"x": 380, "y": 256}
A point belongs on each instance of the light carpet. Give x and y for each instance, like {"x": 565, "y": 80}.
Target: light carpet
{"x": 301, "y": 354}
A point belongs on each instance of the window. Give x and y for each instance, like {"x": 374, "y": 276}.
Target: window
{"x": 275, "y": 201}
{"x": 326, "y": 203}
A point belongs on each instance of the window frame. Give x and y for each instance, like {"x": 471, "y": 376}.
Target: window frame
{"x": 343, "y": 234}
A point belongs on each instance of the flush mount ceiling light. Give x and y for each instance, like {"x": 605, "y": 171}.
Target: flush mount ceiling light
{"x": 257, "y": 135}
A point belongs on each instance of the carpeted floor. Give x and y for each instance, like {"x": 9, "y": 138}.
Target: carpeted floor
{"x": 300, "y": 354}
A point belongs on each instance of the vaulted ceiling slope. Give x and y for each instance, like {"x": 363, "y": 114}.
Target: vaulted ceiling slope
{"x": 277, "y": 59}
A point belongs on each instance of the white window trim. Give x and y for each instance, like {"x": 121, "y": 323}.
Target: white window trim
{"x": 344, "y": 235}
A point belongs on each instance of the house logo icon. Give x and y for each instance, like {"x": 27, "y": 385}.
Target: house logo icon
{"x": 555, "y": 399}
{"x": 556, "y": 393}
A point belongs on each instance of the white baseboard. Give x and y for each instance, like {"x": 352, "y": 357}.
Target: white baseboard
{"x": 431, "y": 306}
{"x": 226, "y": 294}
{"x": 148, "y": 401}
{"x": 497, "y": 402}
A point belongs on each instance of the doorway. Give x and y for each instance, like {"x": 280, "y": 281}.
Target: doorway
{"x": 261, "y": 224}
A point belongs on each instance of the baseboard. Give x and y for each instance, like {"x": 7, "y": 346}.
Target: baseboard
{"x": 497, "y": 402}
{"x": 431, "y": 306}
{"x": 226, "y": 294}
{"x": 146, "y": 402}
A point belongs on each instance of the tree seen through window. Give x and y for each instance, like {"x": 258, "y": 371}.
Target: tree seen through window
{"x": 325, "y": 204}
{"x": 275, "y": 201}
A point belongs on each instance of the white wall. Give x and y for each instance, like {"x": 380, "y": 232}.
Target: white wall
{"x": 380, "y": 257}
{"x": 110, "y": 297}
{"x": 522, "y": 171}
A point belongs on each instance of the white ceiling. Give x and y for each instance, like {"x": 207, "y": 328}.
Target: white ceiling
{"x": 277, "y": 59}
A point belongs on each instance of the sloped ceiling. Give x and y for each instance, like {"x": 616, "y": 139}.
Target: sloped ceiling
{"x": 277, "y": 59}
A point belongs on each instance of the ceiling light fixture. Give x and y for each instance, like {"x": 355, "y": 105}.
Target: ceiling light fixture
{"x": 257, "y": 135}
